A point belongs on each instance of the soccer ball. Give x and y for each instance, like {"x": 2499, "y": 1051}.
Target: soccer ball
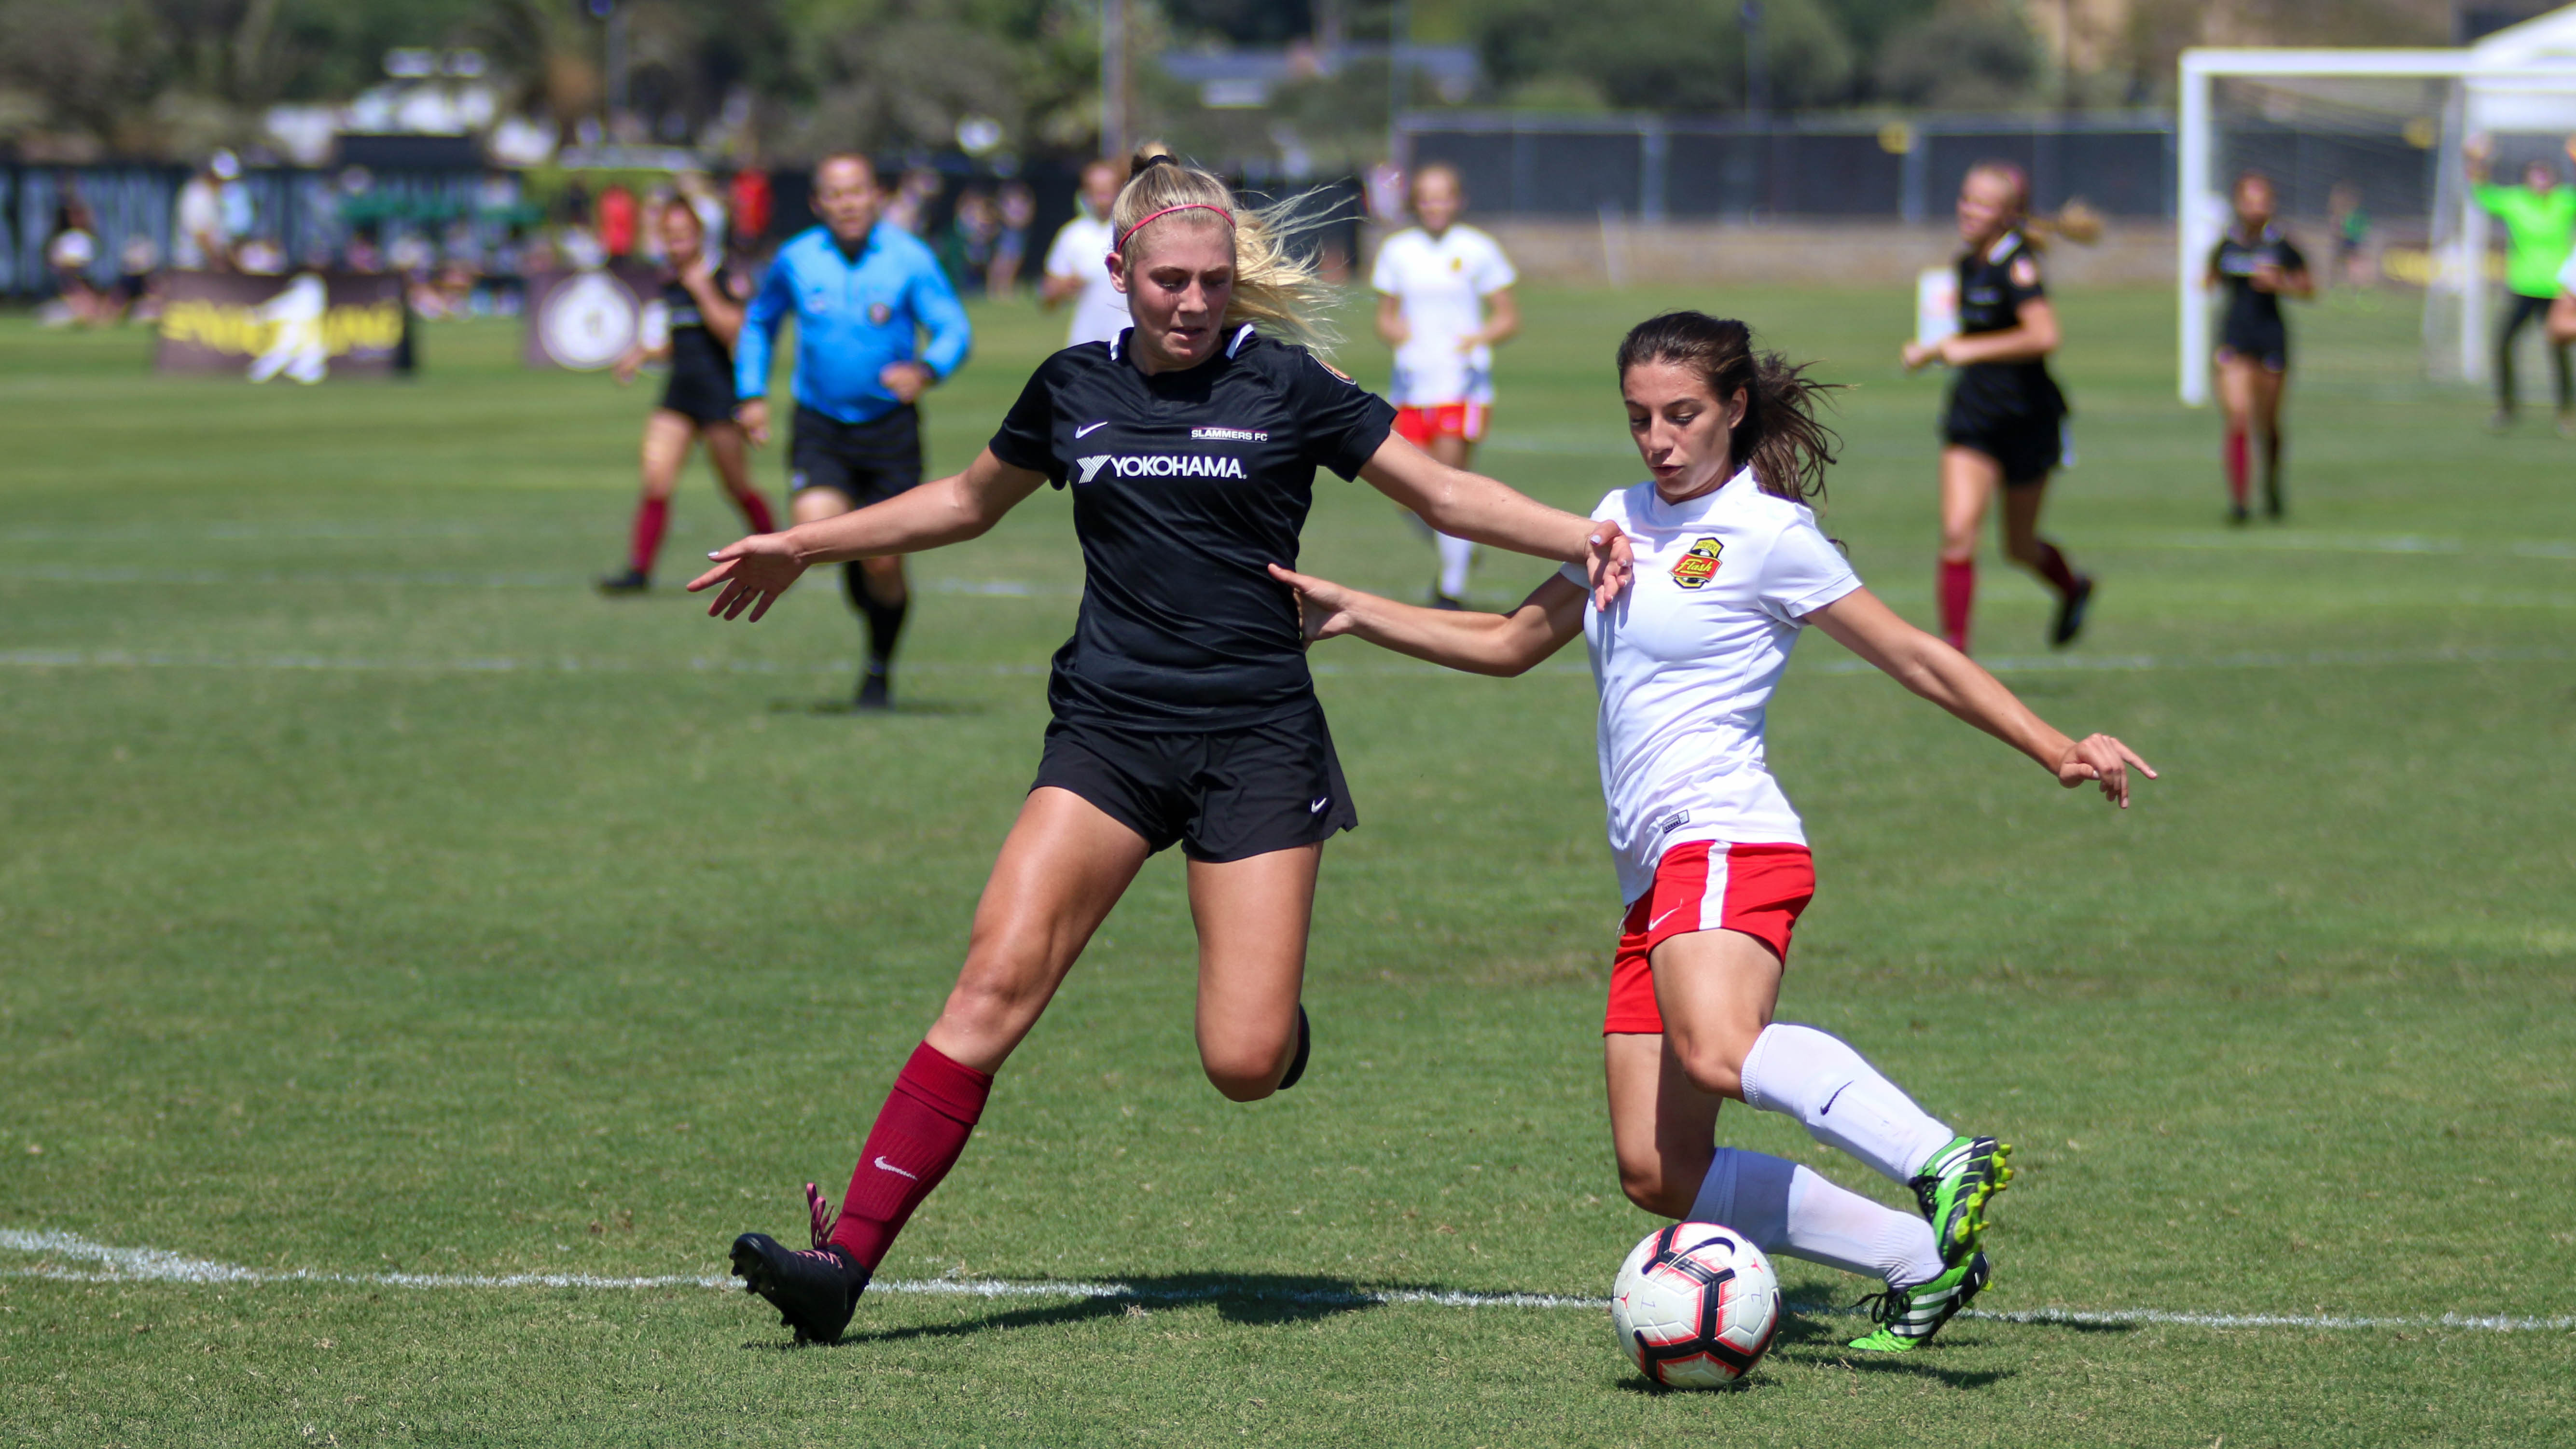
{"x": 1695, "y": 1306}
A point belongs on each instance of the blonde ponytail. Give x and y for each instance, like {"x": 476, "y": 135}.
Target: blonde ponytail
{"x": 1274, "y": 288}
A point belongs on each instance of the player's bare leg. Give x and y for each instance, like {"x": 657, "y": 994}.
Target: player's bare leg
{"x": 730, "y": 452}
{"x": 1968, "y": 483}
{"x": 2267, "y": 390}
{"x": 1253, "y": 916}
{"x": 2237, "y": 386}
{"x": 2024, "y": 546}
{"x": 667, "y": 436}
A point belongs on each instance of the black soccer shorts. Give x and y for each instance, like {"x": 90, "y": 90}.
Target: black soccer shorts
{"x": 866, "y": 462}
{"x": 1222, "y": 794}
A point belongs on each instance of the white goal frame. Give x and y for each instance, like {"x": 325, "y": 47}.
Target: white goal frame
{"x": 2519, "y": 78}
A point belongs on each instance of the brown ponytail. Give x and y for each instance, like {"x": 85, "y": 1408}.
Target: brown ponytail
{"x": 1779, "y": 437}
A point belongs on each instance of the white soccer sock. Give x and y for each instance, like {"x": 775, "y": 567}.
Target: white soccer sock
{"x": 1815, "y": 1077}
{"x": 1785, "y": 1208}
{"x": 1455, "y": 556}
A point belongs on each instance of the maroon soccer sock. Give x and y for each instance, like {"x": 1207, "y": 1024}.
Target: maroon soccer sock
{"x": 2236, "y": 470}
{"x": 1958, "y": 592}
{"x": 755, "y": 512}
{"x": 2049, "y": 564}
{"x": 919, "y": 1134}
{"x": 652, "y": 518}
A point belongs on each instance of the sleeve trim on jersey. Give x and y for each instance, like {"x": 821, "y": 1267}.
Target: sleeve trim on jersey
{"x": 1840, "y": 588}
{"x": 1242, "y": 335}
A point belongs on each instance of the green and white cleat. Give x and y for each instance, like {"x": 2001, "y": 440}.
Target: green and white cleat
{"x": 1908, "y": 1317}
{"x": 1954, "y": 1188}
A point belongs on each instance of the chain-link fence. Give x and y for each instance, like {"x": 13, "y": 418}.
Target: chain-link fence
{"x": 1665, "y": 168}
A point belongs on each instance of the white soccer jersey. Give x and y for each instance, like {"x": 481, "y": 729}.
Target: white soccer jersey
{"x": 1443, "y": 284}
{"x": 1082, "y": 250}
{"x": 1686, "y": 661}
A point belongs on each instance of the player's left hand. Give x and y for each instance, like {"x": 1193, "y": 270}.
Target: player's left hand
{"x": 2106, "y": 762}
{"x": 1612, "y": 563}
{"x": 754, "y": 572}
{"x": 1323, "y": 607}
{"x": 906, "y": 380}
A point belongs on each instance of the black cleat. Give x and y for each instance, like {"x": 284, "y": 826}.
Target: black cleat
{"x": 1305, "y": 1044}
{"x": 2070, "y": 614}
{"x": 633, "y": 581}
{"x": 876, "y": 691}
{"x": 2237, "y": 516}
{"x": 815, "y": 1292}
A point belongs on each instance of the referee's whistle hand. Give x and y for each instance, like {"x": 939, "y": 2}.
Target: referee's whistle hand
{"x": 754, "y": 572}
{"x": 753, "y": 415}
{"x": 906, "y": 380}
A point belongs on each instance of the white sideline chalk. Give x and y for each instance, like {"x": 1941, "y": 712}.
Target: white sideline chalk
{"x": 154, "y": 1265}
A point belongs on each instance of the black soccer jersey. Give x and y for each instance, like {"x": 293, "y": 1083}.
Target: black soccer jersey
{"x": 698, "y": 357}
{"x": 1993, "y": 285}
{"x": 2254, "y": 325}
{"x": 1186, "y": 486}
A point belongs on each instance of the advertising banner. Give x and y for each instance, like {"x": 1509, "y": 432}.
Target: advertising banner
{"x": 304, "y": 328}
{"x": 585, "y": 320}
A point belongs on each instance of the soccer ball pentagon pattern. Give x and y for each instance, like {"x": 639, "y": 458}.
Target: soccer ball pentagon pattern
{"x": 1695, "y": 1306}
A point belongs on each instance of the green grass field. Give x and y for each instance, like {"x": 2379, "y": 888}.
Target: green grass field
{"x": 376, "y": 901}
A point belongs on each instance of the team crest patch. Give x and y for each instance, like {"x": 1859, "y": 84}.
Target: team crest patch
{"x": 1698, "y": 566}
{"x": 880, "y": 314}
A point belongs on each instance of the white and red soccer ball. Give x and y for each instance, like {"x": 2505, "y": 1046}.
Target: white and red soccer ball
{"x": 1695, "y": 1306}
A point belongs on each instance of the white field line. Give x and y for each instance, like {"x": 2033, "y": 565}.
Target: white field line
{"x": 570, "y": 664}
{"x": 153, "y": 1265}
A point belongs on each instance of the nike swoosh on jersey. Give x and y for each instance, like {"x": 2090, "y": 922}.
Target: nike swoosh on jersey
{"x": 897, "y": 1171}
{"x": 1084, "y": 432}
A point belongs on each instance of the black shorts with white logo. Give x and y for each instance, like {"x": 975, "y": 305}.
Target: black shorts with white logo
{"x": 1223, "y": 794}
{"x": 866, "y": 462}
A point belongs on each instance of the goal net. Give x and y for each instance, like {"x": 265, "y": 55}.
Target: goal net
{"x": 2366, "y": 152}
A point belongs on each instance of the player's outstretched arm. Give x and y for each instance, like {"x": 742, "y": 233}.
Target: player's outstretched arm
{"x": 756, "y": 570}
{"x": 1502, "y": 644}
{"x": 1950, "y": 679}
{"x": 1473, "y": 506}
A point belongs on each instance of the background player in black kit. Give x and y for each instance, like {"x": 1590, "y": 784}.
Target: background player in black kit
{"x": 697, "y": 402}
{"x": 2259, "y": 266}
{"x": 2006, "y": 420}
{"x": 1183, "y": 707}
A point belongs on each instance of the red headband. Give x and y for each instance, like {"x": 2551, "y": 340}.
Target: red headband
{"x": 1130, "y": 233}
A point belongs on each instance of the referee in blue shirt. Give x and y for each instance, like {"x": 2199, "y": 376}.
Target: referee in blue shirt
{"x": 862, "y": 292}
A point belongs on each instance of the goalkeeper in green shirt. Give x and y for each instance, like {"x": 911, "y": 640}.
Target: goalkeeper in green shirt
{"x": 2539, "y": 219}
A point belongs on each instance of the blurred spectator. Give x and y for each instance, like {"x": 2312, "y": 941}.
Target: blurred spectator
{"x": 2351, "y": 223}
{"x": 202, "y": 230}
{"x": 1011, "y": 250}
{"x": 966, "y": 253}
{"x": 1077, "y": 264}
{"x": 363, "y": 255}
{"x": 913, "y": 197}
{"x": 137, "y": 263}
{"x": 261, "y": 256}
{"x": 69, "y": 253}
{"x": 752, "y": 201}
{"x": 617, "y": 215}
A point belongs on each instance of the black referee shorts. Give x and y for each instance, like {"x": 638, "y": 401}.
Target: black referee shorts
{"x": 1223, "y": 794}
{"x": 866, "y": 462}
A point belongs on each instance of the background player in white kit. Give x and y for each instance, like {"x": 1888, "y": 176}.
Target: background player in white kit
{"x": 1444, "y": 300}
{"x": 1713, "y": 861}
{"x": 1077, "y": 262}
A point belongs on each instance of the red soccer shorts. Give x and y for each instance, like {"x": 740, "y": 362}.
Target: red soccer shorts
{"x": 1705, "y": 886}
{"x": 1457, "y": 420}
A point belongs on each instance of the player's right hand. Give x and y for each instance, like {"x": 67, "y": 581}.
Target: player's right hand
{"x": 2105, "y": 761}
{"x": 753, "y": 415}
{"x": 754, "y": 572}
